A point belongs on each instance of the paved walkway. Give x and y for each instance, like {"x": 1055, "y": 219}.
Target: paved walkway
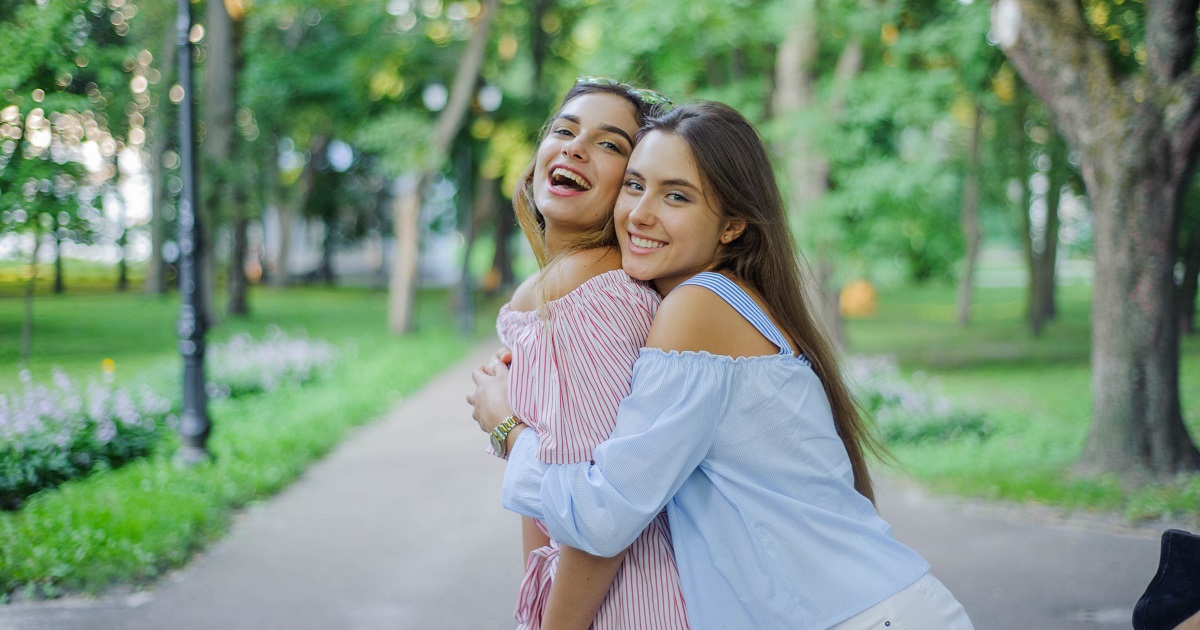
{"x": 400, "y": 527}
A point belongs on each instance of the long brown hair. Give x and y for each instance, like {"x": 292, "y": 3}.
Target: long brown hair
{"x": 530, "y": 219}
{"x": 737, "y": 176}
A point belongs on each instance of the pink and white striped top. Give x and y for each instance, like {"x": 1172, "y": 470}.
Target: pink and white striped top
{"x": 569, "y": 374}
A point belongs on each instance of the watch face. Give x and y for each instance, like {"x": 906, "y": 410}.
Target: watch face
{"x": 497, "y": 445}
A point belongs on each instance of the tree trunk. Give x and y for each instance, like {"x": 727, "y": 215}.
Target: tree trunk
{"x": 277, "y": 260}
{"x": 402, "y": 284}
{"x": 1045, "y": 286}
{"x": 469, "y": 195}
{"x": 156, "y": 281}
{"x": 1137, "y": 137}
{"x": 501, "y": 276}
{"x": 539, "y": 45}
{"x": 325, "y": 269}
{"x": 27, "y": 325}
{"x": 807, "y": 170}
{"x": 970, "y": 221}
{"x": 1191, "y": 277}
{"x": 123, "y": 263}
{"x": 1137, "y": 425}
{"x": 59, "y": 286}
{"x": 238, "y": 284}
{"x": 220, "y": 84}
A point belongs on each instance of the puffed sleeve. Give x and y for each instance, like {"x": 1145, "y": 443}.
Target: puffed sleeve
{"x": 595, "y": 336}
{"x": 664, "y": 430}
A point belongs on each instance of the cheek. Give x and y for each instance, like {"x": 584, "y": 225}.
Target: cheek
{"x": 621, "y": 210}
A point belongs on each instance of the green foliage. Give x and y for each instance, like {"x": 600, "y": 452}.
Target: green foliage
{"x": 133, "y": 523}
{"x": 1034, "y": 391}
{"x": 64, "y": 89}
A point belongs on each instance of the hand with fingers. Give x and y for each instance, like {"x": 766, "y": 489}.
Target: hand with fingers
{"x": 489, "y": 401}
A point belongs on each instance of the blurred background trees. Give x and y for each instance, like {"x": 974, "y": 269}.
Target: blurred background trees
{"x": 379, "y": 141}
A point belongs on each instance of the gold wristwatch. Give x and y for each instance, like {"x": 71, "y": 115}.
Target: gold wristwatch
{"x": 500, "y": 435}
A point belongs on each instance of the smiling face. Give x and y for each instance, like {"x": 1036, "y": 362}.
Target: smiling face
{"x": 668, "y": 227}
{"x": 580, "y": 162}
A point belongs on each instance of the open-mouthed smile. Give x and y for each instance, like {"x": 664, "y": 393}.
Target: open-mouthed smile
{"x": 563, "y": 179}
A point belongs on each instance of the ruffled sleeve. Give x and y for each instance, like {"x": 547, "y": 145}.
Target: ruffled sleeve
{"x": 665, "y": 429}
{"x": 593, "y": 339}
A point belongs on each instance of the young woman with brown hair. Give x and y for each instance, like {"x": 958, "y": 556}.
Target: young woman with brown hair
{"x": 738, "y": 422}
{"x": 574, "y": 330}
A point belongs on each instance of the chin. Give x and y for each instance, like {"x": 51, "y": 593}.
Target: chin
{"x": 638, "y": 274}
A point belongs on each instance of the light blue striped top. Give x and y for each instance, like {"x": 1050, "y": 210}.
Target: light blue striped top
{"x": 768, "y": 529}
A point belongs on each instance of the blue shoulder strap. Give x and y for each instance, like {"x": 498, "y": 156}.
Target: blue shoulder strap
{"x": 748, "y": 308}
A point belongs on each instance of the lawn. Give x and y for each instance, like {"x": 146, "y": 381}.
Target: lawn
{"x": 1035, "y": 391}
{"x": 130, "y": 524}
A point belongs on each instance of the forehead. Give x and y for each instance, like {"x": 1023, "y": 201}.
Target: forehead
{"x": 601, "y": 108}
{"x": 662, "y": 156}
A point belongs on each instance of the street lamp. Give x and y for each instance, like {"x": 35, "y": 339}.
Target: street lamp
{"x": 194, "y": 426}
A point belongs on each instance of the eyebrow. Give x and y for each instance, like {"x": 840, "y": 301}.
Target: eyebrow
{"x": 606, "y": 127}
{"x": 678, "y": 183}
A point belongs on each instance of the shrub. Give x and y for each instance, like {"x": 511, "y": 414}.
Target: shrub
{"x": 909, "y": 413}
{"x": 50, "y": 434}
{"x": 244, "y": 365}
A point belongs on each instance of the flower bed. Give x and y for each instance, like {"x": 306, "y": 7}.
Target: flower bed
{"x": 52, "y": 433}
{"x": 244, "y": 365}
{"x": 908, "y": 412}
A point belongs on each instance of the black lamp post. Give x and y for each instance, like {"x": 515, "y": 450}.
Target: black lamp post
{"x": 194, "y": 427}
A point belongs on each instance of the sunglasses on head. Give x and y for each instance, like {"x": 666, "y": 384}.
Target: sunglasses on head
{"x": 649, "y": 97}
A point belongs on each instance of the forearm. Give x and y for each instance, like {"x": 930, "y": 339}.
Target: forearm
{"x": 532, "y": 538}
{"x": 581, "y": 583}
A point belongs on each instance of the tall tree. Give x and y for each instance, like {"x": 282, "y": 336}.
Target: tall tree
{"x": 220, "y": 100}
{"x": 1134, "y": 121}
{"x": 402, "y": 284}
{"x": 972, "y": 231}
{"x": 1043, "y": 254}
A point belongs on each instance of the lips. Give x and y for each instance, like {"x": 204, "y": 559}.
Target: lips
{"x": 644, "y": 243}
{"x": 563, "y": 177}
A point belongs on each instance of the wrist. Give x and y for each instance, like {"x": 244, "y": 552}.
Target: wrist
{"x": 500, "y": 435}
{"x": 510, "y": 441}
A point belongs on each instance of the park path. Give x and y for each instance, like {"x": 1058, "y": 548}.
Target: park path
{"x": 400, "y": 527}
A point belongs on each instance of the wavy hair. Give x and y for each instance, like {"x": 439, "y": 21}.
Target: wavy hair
{"x": 736, "y": 174}
{"x": 532, "y": 223}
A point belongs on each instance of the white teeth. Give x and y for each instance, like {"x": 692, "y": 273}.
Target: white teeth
{"x": 565, "y": 174}
{"x": 645, "y": 243}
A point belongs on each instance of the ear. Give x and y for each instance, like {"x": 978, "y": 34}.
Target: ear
{"x": 733, "y": 230}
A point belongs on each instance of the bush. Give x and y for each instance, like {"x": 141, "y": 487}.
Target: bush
{"x": 908, "y": 413}
{"x": 50, "y": 434}
{"x": 243, "y": 365}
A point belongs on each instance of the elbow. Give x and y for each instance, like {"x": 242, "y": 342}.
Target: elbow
{"x": 612, "y": 549}
{"x": 608, "y": 537}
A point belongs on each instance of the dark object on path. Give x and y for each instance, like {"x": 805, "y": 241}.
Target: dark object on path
{"x": 1173, "y": 595}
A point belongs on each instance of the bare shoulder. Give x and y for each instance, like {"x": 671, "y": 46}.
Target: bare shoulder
{"x": 525, "y": 297}
{"x": 574, "y": 269}
{"x": 694, "y": 319}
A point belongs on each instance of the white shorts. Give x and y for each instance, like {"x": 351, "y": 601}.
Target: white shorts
{"x": 924, "y": 605}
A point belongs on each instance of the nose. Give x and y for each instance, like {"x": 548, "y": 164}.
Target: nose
{"x": 576, "y": 148}
{"x": 642, "y": 211}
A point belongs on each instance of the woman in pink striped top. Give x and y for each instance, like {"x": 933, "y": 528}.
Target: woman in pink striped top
{"x": 575, "y": 330}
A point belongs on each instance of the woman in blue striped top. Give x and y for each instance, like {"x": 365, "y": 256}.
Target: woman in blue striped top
{"x": 738, "y": 423}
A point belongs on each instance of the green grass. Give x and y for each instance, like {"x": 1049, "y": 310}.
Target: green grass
{"x": 79, "y": 276}
{"x": 132, "y": 523}
{"x": 1037, "y": 391}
